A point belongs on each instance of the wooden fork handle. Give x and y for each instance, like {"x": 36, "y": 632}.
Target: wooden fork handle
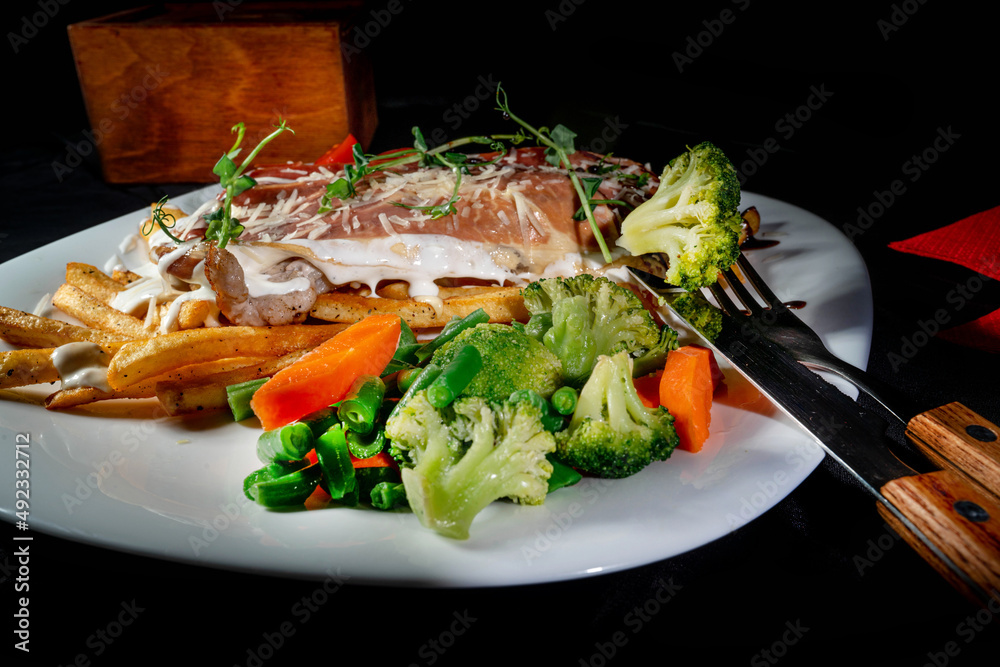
{"x": 958, "y": 507}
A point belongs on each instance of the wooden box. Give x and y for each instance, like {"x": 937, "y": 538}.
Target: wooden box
{"x": 164, "y": 85}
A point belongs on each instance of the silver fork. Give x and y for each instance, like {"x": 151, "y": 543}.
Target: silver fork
{"x": 776, "y": 322}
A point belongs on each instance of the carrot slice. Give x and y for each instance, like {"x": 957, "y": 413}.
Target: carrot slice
{"x": 648, "y": 388}
{"x": 380, "y": 460}
{"x": 686, "y": 392}
{"x": 323, "y": 376}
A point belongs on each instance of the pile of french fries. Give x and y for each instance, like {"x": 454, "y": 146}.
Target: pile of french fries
{"x": 187, "y": 369}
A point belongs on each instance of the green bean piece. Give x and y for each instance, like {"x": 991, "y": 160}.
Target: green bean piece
{"x": 454, "y": 327}
{"x": 406, "y": 349}
{"x": 404, "y": 358}
{"x": 562, "y": 474}
{"x": 321, "y": 420}
{"x": 335, "y": 461}
{"x": 406, "y": 378}
{"x": 427, "y": 375}
{"x": 365, "y": 445}
{"x": 388, "y": 495}
{"x": 455, "y": 376}
{"x": 362, "y": 403}
{"x": 290, "y": 442}
{"x": 369, "y": 477}
{"x": 551, "y": 421}
{"x": 564, "y": 400}
{"x": 287, "y": 490}
{"x": 406, "y": 335}
{"x": 270, "y": 472}
{"x": 239, "y": 395}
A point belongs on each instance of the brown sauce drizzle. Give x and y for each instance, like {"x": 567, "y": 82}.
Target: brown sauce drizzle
{"x": 754, "y": 243}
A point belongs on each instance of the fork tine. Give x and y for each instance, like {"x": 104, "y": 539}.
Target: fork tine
{"x": 758, "y": 283}
{"x": 741, "y": 292}
{"x": 725, "y": 303}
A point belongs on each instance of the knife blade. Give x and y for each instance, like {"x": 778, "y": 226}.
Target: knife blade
{"x": 951, "y": 521}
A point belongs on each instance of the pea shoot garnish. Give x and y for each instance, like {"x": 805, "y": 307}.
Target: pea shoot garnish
{"x": 222, "y": 226}
{"x": 440, "y": 156}
{"x": 559, "y": 143}
{"x": 165, "y": 221}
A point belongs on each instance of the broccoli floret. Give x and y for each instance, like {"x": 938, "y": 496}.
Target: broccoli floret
{"x": 693, "y": 218}
{"x": 512, "y": 360}
{"x": 612, "y": 433}
{"x": 699, "y": 313}
{"x": 463, "y": 457}
{"x": 583, "y": 317}
{"x": 655, "y": 357}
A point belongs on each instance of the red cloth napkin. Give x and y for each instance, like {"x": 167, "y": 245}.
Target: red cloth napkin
{"x": 974, "y": 243}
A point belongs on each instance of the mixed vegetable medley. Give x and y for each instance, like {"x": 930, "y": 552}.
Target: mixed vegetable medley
{"x": 591, "y": 384}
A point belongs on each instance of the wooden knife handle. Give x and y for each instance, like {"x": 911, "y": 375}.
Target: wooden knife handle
{"x": 956, "y": 438}
{"x": 958, "y": 507}
{"x": 959, "y": 518}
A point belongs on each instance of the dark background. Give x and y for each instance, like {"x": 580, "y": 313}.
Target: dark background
{"x": 895, "y": 76}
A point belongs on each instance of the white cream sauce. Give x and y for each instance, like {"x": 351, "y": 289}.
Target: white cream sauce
{"x": 156, "y": 286}
{"x": 82, "y": 364}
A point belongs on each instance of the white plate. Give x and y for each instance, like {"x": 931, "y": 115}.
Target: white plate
{"x": 172, "y": 488}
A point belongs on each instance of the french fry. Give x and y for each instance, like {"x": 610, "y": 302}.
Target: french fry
{"x": 502, "y": 304}
{"x": 93, "y": 281}
{"x": 124, "y": 276}
{"x": 76, "y": 396}
{"x": 193, "y": 313}
{"x": 26, "y": 330}
{"x": 186, "y": 375}
{"x": 209, "y": 393}
{"x": 140, "y": 360}
{"x": 19, "y": 368}
{"x": 74, "y": 301}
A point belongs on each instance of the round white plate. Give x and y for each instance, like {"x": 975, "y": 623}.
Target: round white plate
{"x": 123, "y": 476}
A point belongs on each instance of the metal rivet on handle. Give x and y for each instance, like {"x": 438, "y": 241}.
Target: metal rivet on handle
{"x": 980, "y": 433}
{"x": 971, "y": 511}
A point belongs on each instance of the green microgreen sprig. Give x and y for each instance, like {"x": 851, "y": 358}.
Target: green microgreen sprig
{"x": 440, "y": 156}
{"x": 222, "y": 226}
{"x": 160, "y": 218}
{"x": 559, "y": 143}
{"x": 590, "y": 187}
